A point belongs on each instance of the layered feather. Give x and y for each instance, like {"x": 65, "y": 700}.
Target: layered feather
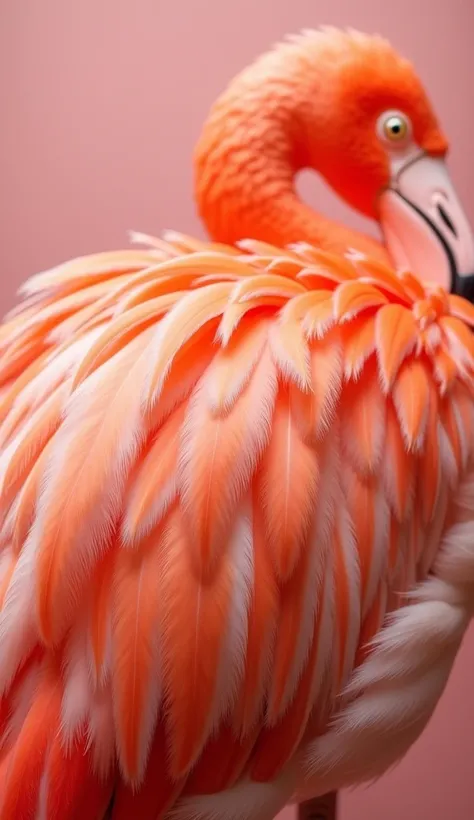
{"x": 222, "y": 469}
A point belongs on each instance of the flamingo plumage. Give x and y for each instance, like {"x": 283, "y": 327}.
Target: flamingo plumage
{"x": 237, "y": 477}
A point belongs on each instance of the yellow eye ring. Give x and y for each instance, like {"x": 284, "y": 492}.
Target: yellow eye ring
{"x": 394, "y": 127}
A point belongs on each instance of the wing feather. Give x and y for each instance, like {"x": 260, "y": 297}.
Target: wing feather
{"x": 155, "y": 487}
{"x": 221, "y": 471}
{"x": 84, "y": 483}
{"x": 219, "y": 455}
{"x": 194, "y": 618}
{"x": 288, "y": 484}
{"x": 136, "y": 637}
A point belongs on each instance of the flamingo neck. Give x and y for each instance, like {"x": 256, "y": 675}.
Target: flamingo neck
{"x": 253, "y": 145}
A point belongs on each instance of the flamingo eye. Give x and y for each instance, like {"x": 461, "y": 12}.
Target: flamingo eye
{"x": 394, "y": 128}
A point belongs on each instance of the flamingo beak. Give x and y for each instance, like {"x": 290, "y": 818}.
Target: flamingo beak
{"x": 425, "y": 228}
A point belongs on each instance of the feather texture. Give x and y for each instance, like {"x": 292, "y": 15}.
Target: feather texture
{"x": 85, "y": 479}
{"x": 236, "y": 500}
{"x": 136, "y": 683}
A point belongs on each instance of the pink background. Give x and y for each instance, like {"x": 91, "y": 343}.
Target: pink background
{"x": 101, "y": 103}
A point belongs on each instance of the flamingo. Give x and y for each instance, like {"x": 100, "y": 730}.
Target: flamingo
{"x": 237, "y": 477}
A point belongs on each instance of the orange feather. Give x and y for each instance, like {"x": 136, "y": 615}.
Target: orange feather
{"x": 233, "y": 365}
{"x": 190, "y": 655}
{"x": 411, "y": 395}
{"x": 460, "y": 337}
{"x": 82, "y": 487}
{"x": 71, "y": 782}
{"x": 361, "y": 499}
{"x": 363, "y": 420}
{"x": 121, "y": 331}
{"x": 358, "y": 344}
{"x": 314, "y": 412}
{"x": 155, "y": 485}
{"x": 156, "y": 793}
{"x": 396, "y": 334}
{"x": 222, "y": 761}
{"x": 354, "y": 297}
{"x": 219, "y": 455}
{"x": 287, "y": 651}
{"x": 101, "y": 594}
{"x": 27, "y": 761}
{"x": 277, "y": 743}
{"x": 430, "y": 464}
{"x": 288, "y": 485}
{"x": 136, "y": 647}
{"x": 29, "y": 444}
{"x": 398, "y": 466}
{"x": 192, "y": 313}
{"x": 262, "y": 620}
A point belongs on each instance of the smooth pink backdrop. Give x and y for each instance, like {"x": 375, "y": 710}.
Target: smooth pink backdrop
{"x": 101, "y": 102}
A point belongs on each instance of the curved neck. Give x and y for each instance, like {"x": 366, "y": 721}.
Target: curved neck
{"x": 254, "y": 143}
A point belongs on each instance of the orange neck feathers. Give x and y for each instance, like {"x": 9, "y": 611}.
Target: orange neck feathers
{"x": 296, "y": 108}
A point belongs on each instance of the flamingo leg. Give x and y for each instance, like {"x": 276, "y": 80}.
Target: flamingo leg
{"x": 321, "y": 808}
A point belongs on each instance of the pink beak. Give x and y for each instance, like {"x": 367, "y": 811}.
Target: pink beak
{"x": 425, "y": 228}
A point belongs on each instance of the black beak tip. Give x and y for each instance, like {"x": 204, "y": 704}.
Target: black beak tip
{"x": 464, "y": 286}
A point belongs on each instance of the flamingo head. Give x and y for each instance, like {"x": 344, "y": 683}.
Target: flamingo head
{"x": 350, "y": 107}
{"x": 383, "y": 150}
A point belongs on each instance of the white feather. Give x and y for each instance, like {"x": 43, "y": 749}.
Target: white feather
{"x": 18, "y": 630}
{"x": 448, "y": 466}
{"x": 395, "y": 703}
{"x": 455, "y": 559}
{"x": 232, "y": 662}
{"x": 351, "y": 564}
{"x": 77, "y": 693}
{"x": 246, "y": 800}
{"x": 57, "y": 369}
